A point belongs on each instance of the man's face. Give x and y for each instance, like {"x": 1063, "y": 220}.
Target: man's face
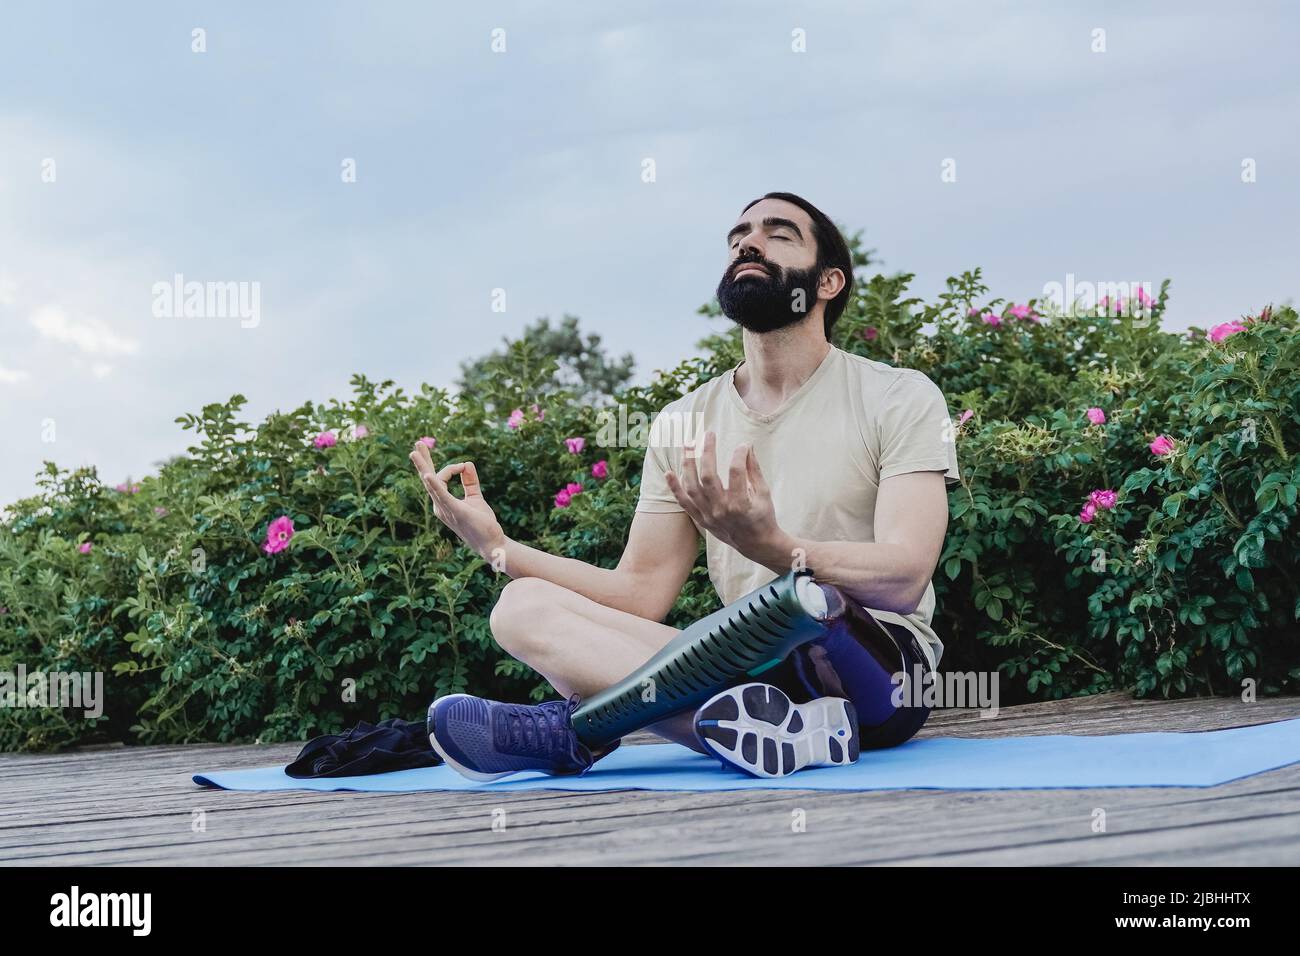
{"x": 771, "y": 278}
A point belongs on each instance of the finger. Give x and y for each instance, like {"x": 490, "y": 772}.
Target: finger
{"x": 430, "y": 483}
{"x": 756, "y": 474}
{"x": 444, "y": 502}
{"x": 420, "y": 458}
{"x": 738, "y": 475}
{"x": 675, "y": 486}
{"x": 683, "y": 497}
{"x": 708, "y": 464}
{"x": 469, "y": 481}
{"x": 436, "y": 483}
{"x": 447, "y": 472}
{"x": 688, "y": 474}
{"x": 424, "y": 468}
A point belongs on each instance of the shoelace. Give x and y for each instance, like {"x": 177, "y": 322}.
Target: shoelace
{"x": 541, "y": 730}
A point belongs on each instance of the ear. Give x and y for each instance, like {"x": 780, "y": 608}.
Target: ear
{"x": 831, "y": 283}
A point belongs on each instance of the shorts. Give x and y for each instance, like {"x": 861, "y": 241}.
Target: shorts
{"x": 858, "y": 659}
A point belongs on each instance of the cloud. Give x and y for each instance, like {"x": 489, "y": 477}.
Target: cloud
{"x": 88, "y": 335}
{"x": 9, "y": 376}
{"x": 1104, "y": 166}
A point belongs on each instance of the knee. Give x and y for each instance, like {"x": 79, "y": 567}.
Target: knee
{"x": 518, "y": 617}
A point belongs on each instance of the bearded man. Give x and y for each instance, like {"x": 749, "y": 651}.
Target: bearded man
{"x": 818, "y": 484}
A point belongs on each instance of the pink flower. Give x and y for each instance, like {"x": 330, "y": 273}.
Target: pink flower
{"x": 1107, "y": 307}
{"x": 600, "y": 469}
{"x": 1023, "y": 312}
{"x": 566, "y": 494}
{"x": 541, "y": 415}
{"x": 361, "y": 431}
{"x": 1088, "y": 513}
{"x": 991, "y": 319}
{"x": 972, "y": 312}
{"x": 122, "y": 488}
{"x": 160, "y": 512}
{"x": 516, "y": 418}
{"x": 278, "y": 535}
{"x": 1144, "y": 299}
{"x": 871, "y": 333}
{"x": 1096, "y": 416}
{"x": 575, "y": 445}
{"x": 1163, "y": 445}
{"x": 84, "y": 547}
{"x": 325, "y": 440}
{"x": 1103, "y": 498}
{"x": 965, "y": 417}
{"x": 1223, "y": 330}
{"x": 428, "y": 442}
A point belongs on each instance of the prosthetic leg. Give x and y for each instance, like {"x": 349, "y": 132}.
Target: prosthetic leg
{"x": 730, "y": 646}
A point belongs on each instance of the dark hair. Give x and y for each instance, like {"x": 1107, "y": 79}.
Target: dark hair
{"x": 832, "y": 252}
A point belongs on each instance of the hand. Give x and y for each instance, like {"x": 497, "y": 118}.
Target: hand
{"x": 471, "y": 518}
{"x": 741, "y": 514}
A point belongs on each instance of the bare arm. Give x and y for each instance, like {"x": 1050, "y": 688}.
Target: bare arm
{"x": 660, "y": 550}
{"x": 891, "y": 573}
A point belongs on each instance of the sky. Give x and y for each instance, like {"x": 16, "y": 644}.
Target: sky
{"x": 506, "y": 146}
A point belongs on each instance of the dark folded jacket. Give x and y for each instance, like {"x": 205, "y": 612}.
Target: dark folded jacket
{"x": 393, "y": 744}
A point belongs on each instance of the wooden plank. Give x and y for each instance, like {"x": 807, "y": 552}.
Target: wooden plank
{"x": 134, "y": 805}
{"x": 841, "y": 827}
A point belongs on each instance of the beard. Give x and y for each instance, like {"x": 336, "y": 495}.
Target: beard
{"x": 767, "y": 303}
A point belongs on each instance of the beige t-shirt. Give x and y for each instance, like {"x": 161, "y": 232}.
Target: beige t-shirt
{"x": 824, "y": 452}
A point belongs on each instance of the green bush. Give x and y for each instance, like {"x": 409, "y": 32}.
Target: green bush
{"x": 1186, "y": 585}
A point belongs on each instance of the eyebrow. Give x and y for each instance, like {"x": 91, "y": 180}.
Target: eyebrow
{"x": 772, "y": 222}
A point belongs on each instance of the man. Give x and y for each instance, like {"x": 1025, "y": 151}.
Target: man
{"x": 810, "y": 458}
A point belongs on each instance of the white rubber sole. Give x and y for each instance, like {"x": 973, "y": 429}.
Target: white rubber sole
{"x": 758, "y": 729}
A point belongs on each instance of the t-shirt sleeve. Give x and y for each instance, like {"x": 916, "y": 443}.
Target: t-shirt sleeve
{"x": 656, "y": 496}
{"x": 916, "y": 431}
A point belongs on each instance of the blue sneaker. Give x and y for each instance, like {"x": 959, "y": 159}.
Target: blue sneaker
{"x": 485, "y": 739}
{"x": 758, "y": 729}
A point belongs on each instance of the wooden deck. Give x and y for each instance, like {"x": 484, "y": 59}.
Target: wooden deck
{"x": 136, "y": 805}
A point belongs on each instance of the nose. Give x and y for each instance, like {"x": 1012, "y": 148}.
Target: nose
{"x": 750, "y": 247}
{"x": 748, "y": 250}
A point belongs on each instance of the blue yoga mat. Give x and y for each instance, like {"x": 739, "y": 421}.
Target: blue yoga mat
{"x": 1194, "y": 759}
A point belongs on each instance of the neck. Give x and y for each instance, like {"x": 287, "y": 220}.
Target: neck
{"x": 777, "y": 363}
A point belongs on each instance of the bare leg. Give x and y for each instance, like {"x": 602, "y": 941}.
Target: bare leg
{"x": 578, "y": 645}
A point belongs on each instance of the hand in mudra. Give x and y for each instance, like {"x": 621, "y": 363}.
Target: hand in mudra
{"x": 471, "y": 518}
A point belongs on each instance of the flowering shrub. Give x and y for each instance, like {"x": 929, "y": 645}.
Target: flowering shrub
{"x": 1124, "y": 520}
{"x": 275, "y": 583}
{"x": 1126, "y": 495}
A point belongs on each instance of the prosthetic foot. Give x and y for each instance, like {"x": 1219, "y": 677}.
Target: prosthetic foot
{"x": 730, "y": 646}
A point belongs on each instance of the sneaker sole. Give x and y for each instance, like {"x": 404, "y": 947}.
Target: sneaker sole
{"x": 758, "y": 729}
{"x": 454, "y": 765}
